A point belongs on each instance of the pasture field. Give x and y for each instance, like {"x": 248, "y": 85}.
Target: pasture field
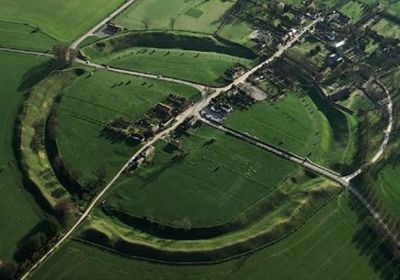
{"x": 225, "y": 176}
{"x": 18, "y": 211}
{"x": 332, "y": 244}
{"x": 14, "y": 35}
{"x": 284, "y": 211}
{"x": 172, "y": 54}
{"x": 387, "y": 29}
{"x": 62, "y": 20}
{"x": 291, "y": 122}
{"x": 387, "y": 186}
{"x": 205, "y": 68}
{"x": 354, "y": 10}
{"x": 304, "y": 49}
{"x": 237, "y": 31}
{"x": 295, "y": 3}
{"x": 95, "y": 99}
{"x": 196, "y": 15}
{"x": 327, "y": 3}
{"x": 301, "y": 123}
{"x": 393, "y": 8}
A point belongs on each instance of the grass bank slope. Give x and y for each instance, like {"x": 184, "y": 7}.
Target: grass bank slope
{"x": 332, "y": 244}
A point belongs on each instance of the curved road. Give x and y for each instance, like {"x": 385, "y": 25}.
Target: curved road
{"x": 195, "y": 111}
{"x": 387, "y": 132}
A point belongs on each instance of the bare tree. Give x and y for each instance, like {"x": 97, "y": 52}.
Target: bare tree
{"x": 146, "y": 23}
{"x": 172, "y": 22}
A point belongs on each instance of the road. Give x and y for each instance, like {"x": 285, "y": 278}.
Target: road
{"x": 192, "y": 111}
{"x": 74, "y": 45}
{"x": 195, "y": 111}
{"x": 306, "y": 163}
{"x": 387, "y": 132}
{"x": 179, "y": 120}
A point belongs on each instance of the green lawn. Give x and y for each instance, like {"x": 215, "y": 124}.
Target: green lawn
{"x": 304, "y": 49}
{"x": 90, "y": 101}
{"x": 236, "y": 31}
{"x": 211, "y": 185}
{"x": 387, "y": 186}
{"x": 62, "y": 20}
{"x": 303, "y": 123}
{"x": 331, "y": 245}
{"x": 394, "y": 8}
{"x": 195, "y": 15}
{"x": 387, "y": 29}
{"x": 354, "y": 10}
{"x": 172, "y": 54}
{"x": 19, "y": 213}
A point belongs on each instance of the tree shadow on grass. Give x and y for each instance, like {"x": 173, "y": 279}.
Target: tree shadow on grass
{"x": 370, "y": 244}
{"x": 37, "y": 73}
{"x": 116, "y": 138}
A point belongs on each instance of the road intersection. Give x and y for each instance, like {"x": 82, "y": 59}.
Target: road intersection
{"x": 195, "y": 111}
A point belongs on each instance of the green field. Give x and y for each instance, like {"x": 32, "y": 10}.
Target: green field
{"x": 304, "y": 49}
{"x": 171, "y": 55}
{"x": 354, "y": 10}
{"x": 62, "y": 20}
{"x": 393, "y": 8}
{"x": 225, "y": 177}
{"x": 236, "y": 31}
{"x": 387, "y": 186}
{"x": 332, "y": 244}
{"x": 205, "y": 68}
{"x": 94, "y": 100}
{"x": 291, "y": 122}
{"x": 387, "y": 29}
{"x": 14, "y": 35}
{"x": 301, "y": 123}
{"x": 195, "y": 15}
{"x": 19, "y": 213}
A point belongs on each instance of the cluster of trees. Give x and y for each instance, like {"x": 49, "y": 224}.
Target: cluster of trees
{"x": 365, "y": 184}
{"x": 31, "y": 248}
{"x": 37, "y": 142}
{"x": 39, "y": 241}
{"x": 315, "y": 51}
{"x": 46, "y": 233}
{"x": 64, "y": 56}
